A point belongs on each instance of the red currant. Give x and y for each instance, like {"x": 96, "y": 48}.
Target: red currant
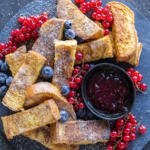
{"x": 99, "y": 3}
{"x": 92, "y": 3}
{"x": 106, "y": 24}
{"x": 83, "y": 10}
{"x": 140, "y": 77}
{"x": 106, "y": 31}
{"x": 94, "y": 15}
{"x": 71, "y": 94}
{"x": 142, "y": 129}
{"x": 75, "y": 71}
{"x": 86, "y": 66}
{"x": 72, "y": 84}
{"x": 113, "y": 134}
{"x": 132, "y": 136}
{"x": 109, "y": 147}
{"x": 109, "y": 18}
{"x": 121, "y": 145}
{"x": 71, "y": 100}
{"x": 120, "y": 123}
{"x": 143, "y": 86}
{"x": 126, "y": 131}
{"x": 79, "y": 56}
{"x": 81, "y": 105}
{"x": 21, "y": 19}
{"x": 135, "y": 79}
{"x": 126, "y": 138}
{"x": 78, "y": 80}
{"x": 98, "y": 17}
{"x": 105, "y": 11}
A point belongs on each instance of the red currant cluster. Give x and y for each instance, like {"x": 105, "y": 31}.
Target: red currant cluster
{"x": 29, "y": 30}
{"x": 137, "y": 78}
{"x": 74, "y": 97}
{"x": 125, "y": 131}
{"x": 99, "y": 13}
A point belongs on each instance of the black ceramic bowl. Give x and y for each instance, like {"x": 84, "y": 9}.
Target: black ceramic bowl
{"x": 90, "y": 105}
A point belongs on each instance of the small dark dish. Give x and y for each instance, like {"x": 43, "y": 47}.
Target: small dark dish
{"x": 108, "y": 79}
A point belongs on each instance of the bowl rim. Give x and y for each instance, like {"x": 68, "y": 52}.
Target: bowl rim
{"x": 109, "y": 117}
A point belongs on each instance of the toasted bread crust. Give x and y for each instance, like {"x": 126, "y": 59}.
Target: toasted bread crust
{"x": 96, "y": 50}
{"x": 80, "y": 132}
{"x": 33, "y": 118}
{"x": 123, "y": 31}
{"x": 42, "y": 135}
{"x": 26, "y": 76}
{"x": 82, "y": 25}
{"x": 50, "y": 30}
{"x": 16, "y": 59}
{"x": 64, "y": 62}
{"x": 42, "y": 91}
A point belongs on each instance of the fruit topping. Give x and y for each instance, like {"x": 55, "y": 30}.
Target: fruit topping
{"x": 64, "y": 116}
{"x": 98, "y": 13}
{"x": 142, "y": 129}
{"x": 108, "y": 91}
{"x": 79, "y": 56}
{"x": 65, "y": 90}
{"x": 68, "y": 24}
{"x": 3, "y": 78}
{"x": 28, "y": 31}
{"x": 9, "y": 80}
{"x": 137, "y": 78}
{"x": 47, "y": 73}
{"x": 4, "y": 67}
{"x": 70, "y": 34}
{"x": 124, "y": 131}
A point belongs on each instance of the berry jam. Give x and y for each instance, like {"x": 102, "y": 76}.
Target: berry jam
{"x": 109, "y": 91}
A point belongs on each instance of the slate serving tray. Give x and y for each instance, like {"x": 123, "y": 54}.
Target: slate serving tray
{"x": 142, "y": 105}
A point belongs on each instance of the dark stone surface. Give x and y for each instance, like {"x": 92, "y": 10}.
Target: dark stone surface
{"x": 9, "y": 8}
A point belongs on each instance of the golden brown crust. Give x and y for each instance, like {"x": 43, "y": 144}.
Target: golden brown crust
{"x": 80, "y": 132}
{"x": 16, "y": 59}
{"x": 123, "y": 31}
{"x": 26, "y": 76}
{"x": 30, "y": 119}
{"x": 96, "y": 50}
{"x": 42, "y": 135}
{"x": 42, "y": 91}
{"x": 82, "y": 25}
{"x": 50, "y": 30}
{"x": 64, "y": 61}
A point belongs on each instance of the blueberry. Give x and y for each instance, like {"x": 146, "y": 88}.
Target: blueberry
{"x": 4, "y": 67}
{"x": 9, "y": 80}
{"x": 3, "y": 78}
{"x": 65, "y": 90}
{"x": 70, "y": 34}
{"x": 47, "y": 72}
{"x": 3, "y": 90}
{"x": 68, "y": 24}
{"x": 64, "y": 116}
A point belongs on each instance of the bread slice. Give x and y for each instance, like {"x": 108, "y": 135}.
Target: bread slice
{"x": 41, "y": 115}
{"x": 41, "y": 91}
{"x": 64, "y": 61}
{"x": 96, "y": 50}
{"x": 26, "y": 76}
{"x": 16, "y": 59}
{"x": 80, "y": 132}
{"x": 123, "y": 31}
{"x": 81, "y": 24}
{"x": 49, "y": 31}
{"x": 42, "y": 135}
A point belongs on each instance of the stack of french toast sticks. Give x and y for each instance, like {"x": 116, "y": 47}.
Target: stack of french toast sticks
{"x": 38, "y": 104}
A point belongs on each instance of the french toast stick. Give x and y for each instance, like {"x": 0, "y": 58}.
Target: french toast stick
{"x": 41, "y": 115}
{"x": 123, "y": 30}
{"x": 49, "y": 31}
{"x": 97, "y": 49}
{"x": 64, "y": 61}
{"x": 84, "y": 27}
{"x": 16, "y": 59}
{"x": 42, "y": 135}
{"x": 80, "y": 132}
{"x": 41, "y": 91}
{"x": 136, "y": 58}
{"x": 26, "y": 76}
